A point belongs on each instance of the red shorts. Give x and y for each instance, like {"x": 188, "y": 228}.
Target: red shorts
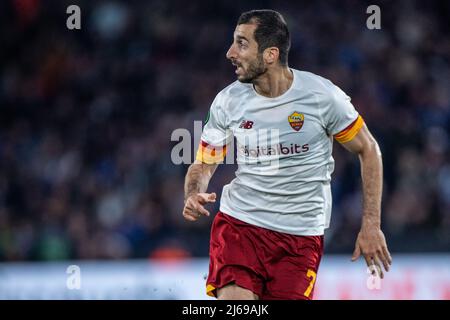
{"x": 271, "y": 264}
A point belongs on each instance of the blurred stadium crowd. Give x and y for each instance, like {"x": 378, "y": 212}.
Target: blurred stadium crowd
{"x": 86, "y": 118}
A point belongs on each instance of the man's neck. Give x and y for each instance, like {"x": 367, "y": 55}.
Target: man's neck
{"x": 274, "y": 82}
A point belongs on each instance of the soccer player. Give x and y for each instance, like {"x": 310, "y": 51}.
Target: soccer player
{"x": 267, "y": 239}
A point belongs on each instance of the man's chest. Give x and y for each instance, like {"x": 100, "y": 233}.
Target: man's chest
{"x": 293, "y": 122}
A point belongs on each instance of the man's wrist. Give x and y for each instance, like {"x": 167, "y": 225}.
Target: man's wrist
{"x": 371, "y": 222}
{"x": 186, "y": 196}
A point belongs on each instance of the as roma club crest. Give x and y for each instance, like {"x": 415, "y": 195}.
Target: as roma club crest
{"x": 296, "y": 120}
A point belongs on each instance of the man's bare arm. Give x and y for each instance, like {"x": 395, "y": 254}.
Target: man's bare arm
{"x": 196, "y": 183}
{"x": 371, "y": 242}
{"x": 197, "y": 178}
{"x": 369, "y": 154}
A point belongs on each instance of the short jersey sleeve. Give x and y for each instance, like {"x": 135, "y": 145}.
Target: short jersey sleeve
{"x": 340, "y": 116}
{"x": 215, "y": 136}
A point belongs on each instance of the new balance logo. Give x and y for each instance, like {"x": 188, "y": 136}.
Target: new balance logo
{"x": 246, "y": 124}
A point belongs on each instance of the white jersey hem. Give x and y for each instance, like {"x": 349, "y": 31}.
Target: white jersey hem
{"x": 317, "y": 231}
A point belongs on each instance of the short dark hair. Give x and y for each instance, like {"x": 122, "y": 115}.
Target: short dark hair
{"x": 271, "y": 31}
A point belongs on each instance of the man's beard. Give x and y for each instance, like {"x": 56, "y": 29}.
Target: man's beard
{"x": 254, "y": 70}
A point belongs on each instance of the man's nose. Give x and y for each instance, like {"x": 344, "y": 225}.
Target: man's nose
{"x": 231, "y": 53}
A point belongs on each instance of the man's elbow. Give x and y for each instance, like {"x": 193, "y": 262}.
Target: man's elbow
{"x": 371, "y": 148}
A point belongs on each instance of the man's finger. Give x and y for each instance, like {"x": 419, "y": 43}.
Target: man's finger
{"x": 212, "y": 197}
{"x": 387, "y": 254}
{"x": 199, "y": 208}
{"x": 368, "y": 259}
{"x": 356, "y": 253}
{"x": 189, "y": 205}
{"x": 189, "y": 216}
{"x": 384, "y": 259}
{"x": 207, "y": 197}
{"x": 371, "y": 264}
{"x": 377, "y": 264}
{"x": 189, "y": 212}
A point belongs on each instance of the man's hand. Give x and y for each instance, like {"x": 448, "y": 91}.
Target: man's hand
{"x": 372, "y": 245}
{"x": 193, "y": 207}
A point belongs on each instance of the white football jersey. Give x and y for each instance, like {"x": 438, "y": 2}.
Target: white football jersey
{"x": 284, "y": 147}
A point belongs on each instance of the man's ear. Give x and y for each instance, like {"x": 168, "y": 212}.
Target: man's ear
{"x": 271, "y": 55}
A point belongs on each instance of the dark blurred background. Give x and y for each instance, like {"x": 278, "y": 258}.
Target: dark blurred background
{"x": 86, "y": 118}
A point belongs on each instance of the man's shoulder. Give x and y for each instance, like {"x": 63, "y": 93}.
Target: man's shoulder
{"x": 229, "y": 96}
{"x": 234, "y": 90}
{"x": 323, "y": 88}
{"x": 313, "y": 81}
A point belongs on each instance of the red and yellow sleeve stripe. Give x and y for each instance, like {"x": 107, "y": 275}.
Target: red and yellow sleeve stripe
{"x": 350, "y": 132}
{"x": 209, "y": 154}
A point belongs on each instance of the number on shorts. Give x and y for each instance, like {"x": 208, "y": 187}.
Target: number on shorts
{"x": 311, "y": 275}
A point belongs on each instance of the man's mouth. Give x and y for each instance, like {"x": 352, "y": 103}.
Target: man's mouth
{"x": 238, "y": 67}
